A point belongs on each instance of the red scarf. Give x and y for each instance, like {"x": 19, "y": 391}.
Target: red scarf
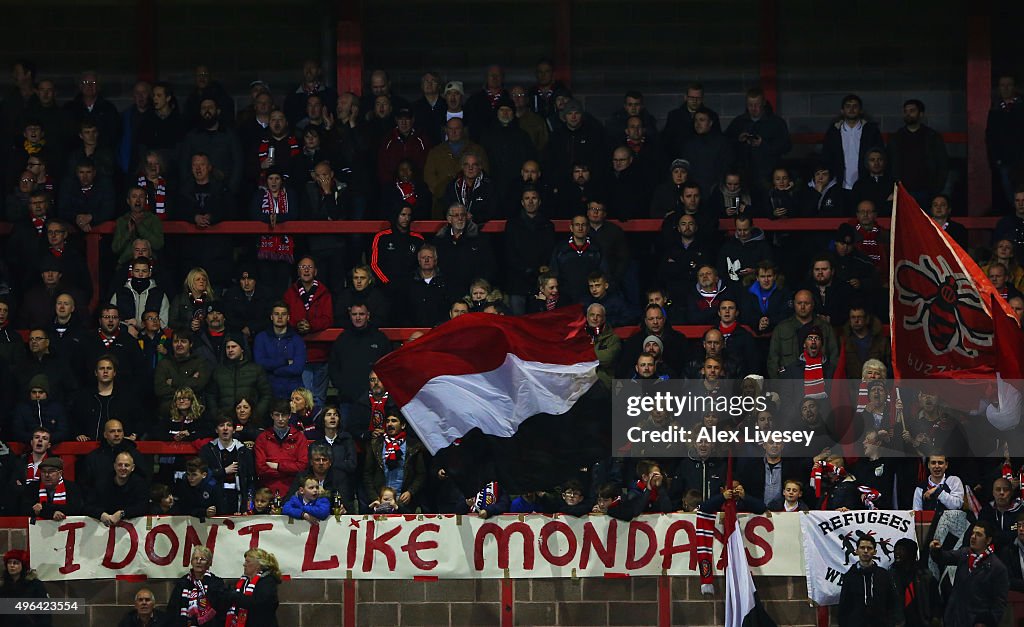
{"x": 636, "y": 145}
{"x": 579, "y": 249}
{"x": 159, "y": 195}
{"x": 237, "y": 616}
{"x": 814, "y": 376}
{"x": 408, "y": 193}
{"x": 727, "y": 330}
{"x": 39, "y": 224}
{"x": 871, "y": 244}
{"x": 377, "y": 411}
{"x": 823, "y": 469}
{"x": 705, "y": 547}
{"x": 652, "y": 495}
{"x": 60, "y": 495}
{"x": 275, "y": 247}
{"x": 195, "y": 603}
{"x": 973, "y": 559}
{"x": 32, "y": 469}
{"x": 108, "y": 340}
{"x": 393, "y": 448}
{"x": 550, "y": 303}
{"x": 307, "y": 297}
{"x": 57, "y": 252}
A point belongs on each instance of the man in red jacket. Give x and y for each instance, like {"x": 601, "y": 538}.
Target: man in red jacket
{"x": 311, "y": 310}
{"x": 282, "y": 452}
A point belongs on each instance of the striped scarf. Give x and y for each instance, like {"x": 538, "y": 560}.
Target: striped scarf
{"x": 195, "y": 603}
{"x": 236, "y": 616}
{"x": 32, "y": 469}
{"x": 868, "y": 496}
{"x": 579, "y": 249}
{"x": 392, "y": 452}
{"x": 60, "y": 494}
{"x": 705, "y": 546}
{"x": 814, "y": 376}
{"x": 973, "y": 559}
{"x": 871, "y": 244}
{"x": 307, "y": 296}
{"x": 408, "y": 192}
{"x": 159, "y": 195}
{"x": 823, "y": 469}
{"x": 377, "y": 411}
{"x": 275, "y": 247}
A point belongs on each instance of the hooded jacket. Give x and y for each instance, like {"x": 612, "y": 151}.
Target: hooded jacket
{"x": 736, "y": 254}
{"x": 393, "y": 252}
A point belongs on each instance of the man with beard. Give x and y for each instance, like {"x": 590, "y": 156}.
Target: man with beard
{"x": 393, "y": 250}
{"x": 112, "y": 338}
{"x": 831, "y": 298}
{"x": 397, "y": 460}
{"x": 703, "y": 300}
{"x": 917, "y": 154}
{"x": 653, "y": 324}
{"x": 278, "y": 147}
{"x": 218, "y": 143}
{"x": 573, "y": 195}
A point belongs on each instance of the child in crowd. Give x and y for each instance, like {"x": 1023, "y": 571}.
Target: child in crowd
{"x": 261, "y": 501}
{"x": 161, "y": 501}
{"x": 307, "y": 503}
{"x": 198, "y": 494}
{"x": 387, "y": 501}
{"x": 792, "y": 498}
{"x": 691, "y": 500}
{"x": 606, "y": 495}
{"x": 527, "y": 503}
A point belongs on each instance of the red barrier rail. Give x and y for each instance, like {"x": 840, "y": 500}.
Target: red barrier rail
{"x": 298, "y": 227}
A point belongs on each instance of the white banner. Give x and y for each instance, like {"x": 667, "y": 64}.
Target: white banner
{"x": 830, "y": 545}
{"x": 402, "y": 547}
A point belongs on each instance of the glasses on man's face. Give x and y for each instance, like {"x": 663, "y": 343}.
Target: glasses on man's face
{"x": 306, "y": 267}
{"x": 88, "y": 83}
{"x": 55, "y": 231}
{"x": 571, "y": 494}
{"x": 108, "y": 317}
{"x": 151, "y": 319}
{"x": 36, "y": 339}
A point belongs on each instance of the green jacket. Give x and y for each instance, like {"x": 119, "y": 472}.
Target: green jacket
{"x": 234, "y": 379}
{"x": 785, "y": 346}
{"x": 607, "y": 346}
{"x": 149, "y": 229}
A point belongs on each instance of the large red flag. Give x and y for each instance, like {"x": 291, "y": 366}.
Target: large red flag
{"x": 940, "y": 302}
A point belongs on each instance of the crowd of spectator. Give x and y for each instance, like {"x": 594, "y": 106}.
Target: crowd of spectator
{"x": 204, "y": 339}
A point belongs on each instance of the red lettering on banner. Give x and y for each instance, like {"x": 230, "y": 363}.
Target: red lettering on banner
{"x": 592, "y": 542}
{"x": 255, "y": 531}
{"x": 151, "y": 537}
{"x": 108, "y": 555}
{"x": 652, "y": 545}
{"x": 378, "y": 544}
{"x": 309, "y": 561}
{"x": 69, "y": 547}
{"x": 350, "y": 558}
{"x": 414, "y": 546}
{"x": 751, "y": 536}
{"x": 503, "y": 535}
{"x": 550, "y": 529}
{"x": 192, "y": 540}
{"x": 670, "y": 548}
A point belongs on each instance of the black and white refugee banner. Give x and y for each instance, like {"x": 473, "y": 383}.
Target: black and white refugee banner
{"x": 830, "y": 545}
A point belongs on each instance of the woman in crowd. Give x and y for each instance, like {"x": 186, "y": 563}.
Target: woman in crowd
{"x": 253, "y": 600}
{"x": 188, "y": 309}
{"x": 197, "y": 594}
{"x": 20, "y": 582}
